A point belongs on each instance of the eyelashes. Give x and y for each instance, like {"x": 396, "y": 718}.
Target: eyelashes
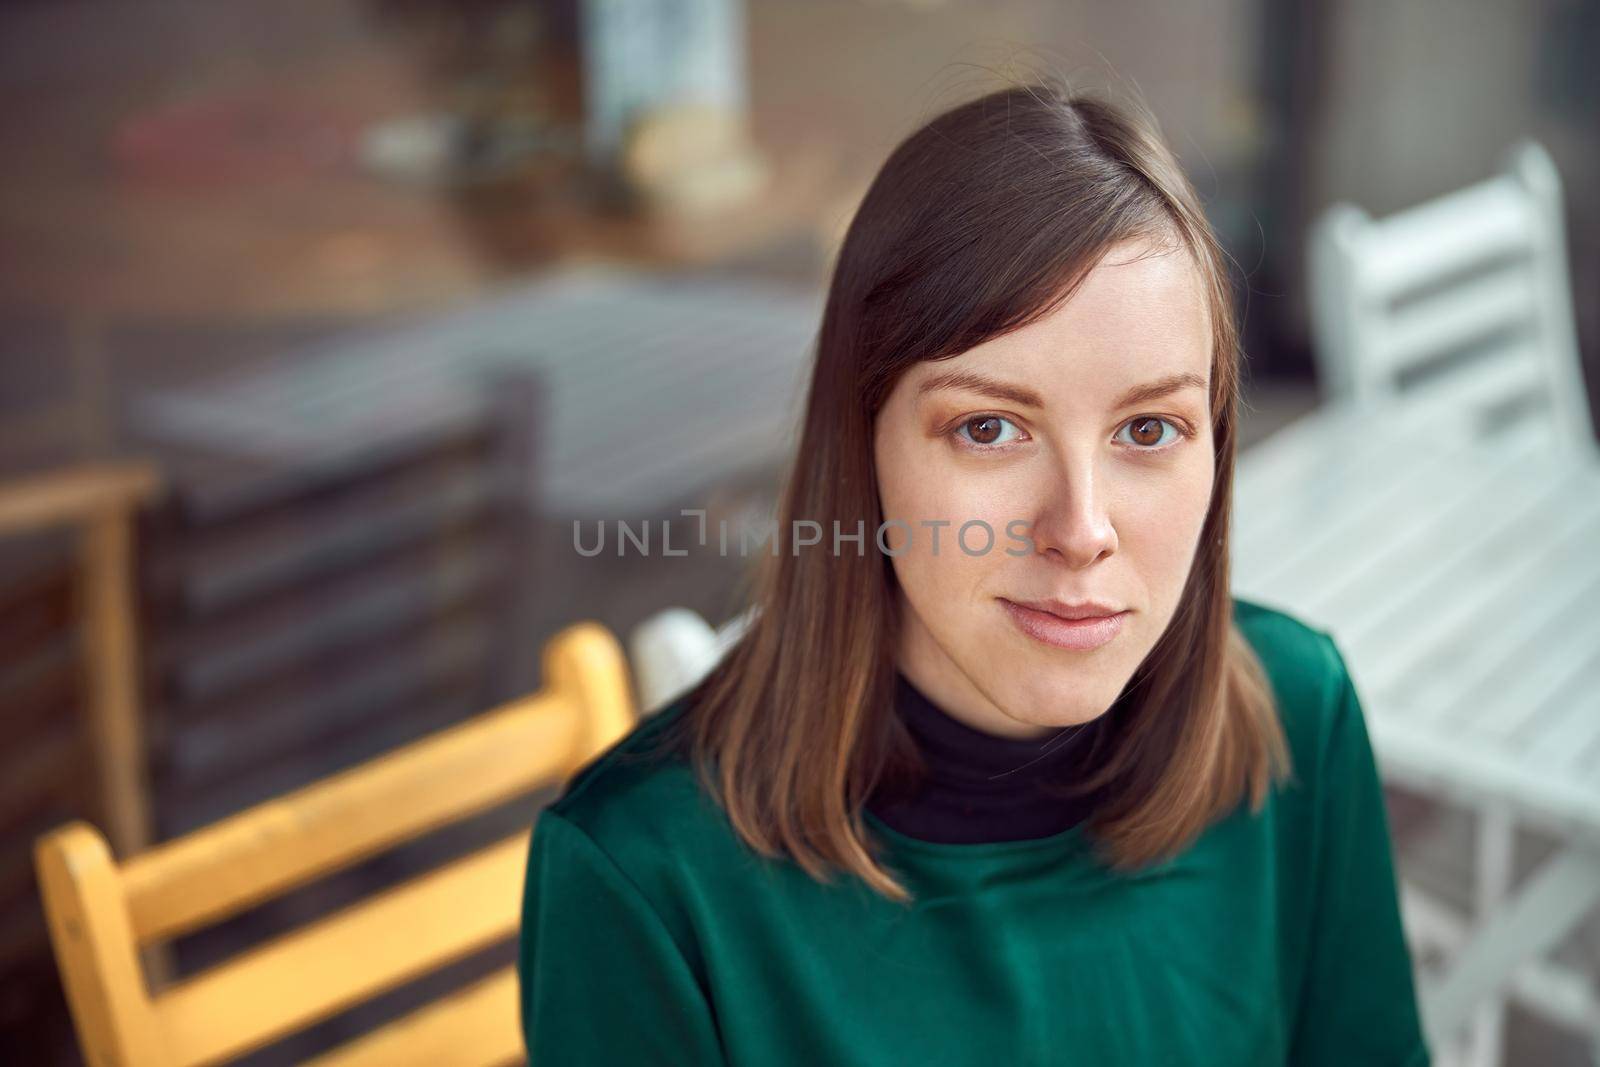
{"x": 966, "y": 425}
{"x": 999, "y": 439}
{"x": 1180, "y": 432}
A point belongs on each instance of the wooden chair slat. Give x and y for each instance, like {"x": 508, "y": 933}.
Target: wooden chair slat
{"x": 76, "y": 495}
{"x": 342, "y": 960}
{"x": 1423, "y": 243}
{"x": 477, "y": 1027}
{"x": 222, "y": 869}
{"x": 1497, "y": 302}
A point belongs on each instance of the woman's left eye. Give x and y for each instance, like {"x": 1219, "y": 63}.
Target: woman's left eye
{"x": 1147, "y": 433}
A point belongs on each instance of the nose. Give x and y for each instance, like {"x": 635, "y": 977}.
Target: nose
{"x": 1073, "y": 523}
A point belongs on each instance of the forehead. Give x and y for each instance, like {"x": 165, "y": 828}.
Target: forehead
{"x": 1141, "y": 313}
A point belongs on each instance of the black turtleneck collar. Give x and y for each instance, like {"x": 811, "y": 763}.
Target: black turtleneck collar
{"x": 981, "y": 787}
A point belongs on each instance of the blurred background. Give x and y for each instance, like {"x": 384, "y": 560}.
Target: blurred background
{"x": 349, "y": 308}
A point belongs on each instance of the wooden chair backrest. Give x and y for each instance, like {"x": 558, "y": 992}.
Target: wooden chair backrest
{"x": 99, "y": 499}
{"x": 1460, "y": 306}
{"x": 101, "y": 911}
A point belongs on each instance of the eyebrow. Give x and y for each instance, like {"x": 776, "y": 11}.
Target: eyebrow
{"x": 1172, "y": 383}
{"x": 1018, "y": 394}
{"x": 973, "y": 382}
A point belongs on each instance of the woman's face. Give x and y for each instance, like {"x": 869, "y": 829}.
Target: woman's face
{"x": 1087, "y": 432}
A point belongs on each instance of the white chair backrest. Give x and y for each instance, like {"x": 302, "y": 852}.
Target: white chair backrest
{"x": 1459, "y": 306}
{"x": 675, "y": 648}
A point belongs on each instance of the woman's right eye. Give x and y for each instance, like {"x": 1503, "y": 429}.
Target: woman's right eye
{"x": 986, "y": 431}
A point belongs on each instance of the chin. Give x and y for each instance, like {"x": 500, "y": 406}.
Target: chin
{"x": 1054, "y": 695}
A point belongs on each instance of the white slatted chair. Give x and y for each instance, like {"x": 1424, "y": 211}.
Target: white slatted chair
{"x": 673, "y": 649}
{"x": 1459, "y": 310}
{"x": 1458, "y": 307}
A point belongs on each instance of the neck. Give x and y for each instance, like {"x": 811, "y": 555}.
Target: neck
{"x": 974, "y": 786}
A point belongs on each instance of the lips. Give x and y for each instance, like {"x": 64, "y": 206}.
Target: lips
{"x": 1095, "y": 627}
{"x": 1073, "y": 609}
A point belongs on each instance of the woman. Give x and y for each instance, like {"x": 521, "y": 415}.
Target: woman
{"x": 1000, "y": 772}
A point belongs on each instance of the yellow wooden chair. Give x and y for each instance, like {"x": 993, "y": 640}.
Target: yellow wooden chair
{"x": 102, "y": 911}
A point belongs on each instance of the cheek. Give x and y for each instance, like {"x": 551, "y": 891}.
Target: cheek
{"x": 1162, "y": 524}
{"x": 918, "y": 483}
{"x": 1194, "y": 497}
{"x": 921, "y": 495}
{"x": 941, "y": 585}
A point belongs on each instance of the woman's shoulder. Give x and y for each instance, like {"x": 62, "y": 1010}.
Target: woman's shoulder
{"x": 639, "y": 800}
{"x": 1287, "y": 645}
{"x": 1306, "y": 670}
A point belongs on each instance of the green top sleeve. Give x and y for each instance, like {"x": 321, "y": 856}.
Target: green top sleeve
{"x": 602, "y": 981}
{"x": 1359, "y": 1004}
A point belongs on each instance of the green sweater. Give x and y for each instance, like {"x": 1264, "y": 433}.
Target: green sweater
{"x": 652, "y": 935}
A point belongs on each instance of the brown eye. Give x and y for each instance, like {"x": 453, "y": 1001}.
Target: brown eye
{"x": 988, "y": 431}
{"x": 1146, "y": 431}
{"x": 984, "y": 430}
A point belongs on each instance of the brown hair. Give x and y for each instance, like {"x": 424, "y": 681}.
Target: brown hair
{"x": 980, "y": 222}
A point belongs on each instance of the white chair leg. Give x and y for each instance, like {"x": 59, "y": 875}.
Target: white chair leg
{"x": 1536, "y": 917}
{"x": 1495, "y": 857}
